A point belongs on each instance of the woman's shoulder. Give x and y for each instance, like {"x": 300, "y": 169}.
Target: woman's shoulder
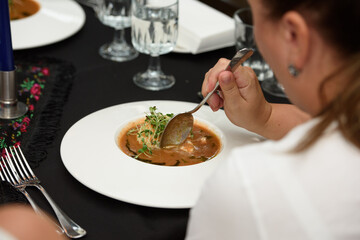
{"x": 331, "y": 145}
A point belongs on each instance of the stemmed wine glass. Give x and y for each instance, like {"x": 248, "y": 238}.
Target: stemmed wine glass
{"x": 154, "y": 32}
{"x": 116, "y": 14}
{"x": 244, "y": 38}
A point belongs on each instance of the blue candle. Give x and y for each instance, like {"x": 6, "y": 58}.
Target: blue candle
{"x": 6, "y": 51}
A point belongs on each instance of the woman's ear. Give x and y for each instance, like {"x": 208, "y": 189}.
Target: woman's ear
{"x": 295, "y": 31}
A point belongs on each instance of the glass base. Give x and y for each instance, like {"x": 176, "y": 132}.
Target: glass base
{"x": 154, "y": 81}
{"x": 118, "y": 52}
{"x": 272, "y": 87}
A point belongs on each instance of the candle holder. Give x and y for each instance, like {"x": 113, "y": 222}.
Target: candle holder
{"x": 9, "y": 106}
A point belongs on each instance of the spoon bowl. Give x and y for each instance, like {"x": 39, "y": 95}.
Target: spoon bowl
{"x": 180, "y": 126}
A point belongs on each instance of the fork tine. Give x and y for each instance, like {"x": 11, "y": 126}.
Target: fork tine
{"x": 1, "y": 170}
{"x": 6, "y": 171}
{"x": 13, "y": 169}
{"x": 17, "y": 160}
{"x": 22, "y": 159}
{"x": 13, "y": 161}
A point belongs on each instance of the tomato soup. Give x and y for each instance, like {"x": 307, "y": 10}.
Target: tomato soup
{"x": 201, "y": 145}
{"x": 23, "y": 8}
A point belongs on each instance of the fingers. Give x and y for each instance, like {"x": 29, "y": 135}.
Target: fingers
{"x": 229, "y": 87}
{"x": 238, "y": 87}
{"x": 241, "y": 95}
{"x": 230, "y": 91}
{"x": 211, "y": 77}
{"x": 243, "y": 100}
{"x": 215, "y": 102}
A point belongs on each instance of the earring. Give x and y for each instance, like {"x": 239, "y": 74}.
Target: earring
{"x": 293, "y": 71}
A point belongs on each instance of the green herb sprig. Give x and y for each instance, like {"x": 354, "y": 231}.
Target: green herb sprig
{"x": 157, "y": 121}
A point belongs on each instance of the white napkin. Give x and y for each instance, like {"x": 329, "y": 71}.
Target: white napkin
{"x": 203, "y": 28}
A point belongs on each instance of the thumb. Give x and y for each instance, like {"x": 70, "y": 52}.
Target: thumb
{"x": 229, "y": 88}
{"x": 248, "y": 84}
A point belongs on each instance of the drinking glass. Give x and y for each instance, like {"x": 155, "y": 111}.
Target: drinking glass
{"x": 154, "y": 32}
{"x": 116, "y": 14}
{"x": 244, "y": 38}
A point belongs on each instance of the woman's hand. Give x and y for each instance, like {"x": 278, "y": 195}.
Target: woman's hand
{"x": 240, "y": 95}
{"x": 245, "y": 105}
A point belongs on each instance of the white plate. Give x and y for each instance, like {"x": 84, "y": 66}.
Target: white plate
{"x": 55, "y": 21}
{"x": 90, "y": 153}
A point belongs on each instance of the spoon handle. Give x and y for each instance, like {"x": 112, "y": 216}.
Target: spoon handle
{"x": 237, "y": 60}
{"x": 205, "y": 98}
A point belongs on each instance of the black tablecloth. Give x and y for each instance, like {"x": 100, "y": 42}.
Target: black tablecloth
{"x": 100, "y": 83}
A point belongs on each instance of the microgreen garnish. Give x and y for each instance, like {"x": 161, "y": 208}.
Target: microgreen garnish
{"x": 191, "y": 135}
{"x": 150, "y": 131}
{"x": 157, "y": 120}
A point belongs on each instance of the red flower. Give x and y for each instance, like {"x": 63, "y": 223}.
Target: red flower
{"x": 16, "y": 125}
{"x": 23, "y": 128}
{"x": 36, "y": 91}
{"x": 45, "y": 71}
{"x": 26, "y": 121}
{"x": 31, "y": 107}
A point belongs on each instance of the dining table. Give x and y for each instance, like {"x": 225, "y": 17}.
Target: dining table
{"x": 97, "y": 83}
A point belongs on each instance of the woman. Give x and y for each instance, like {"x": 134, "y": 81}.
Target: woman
{"x": 304, "y": 183}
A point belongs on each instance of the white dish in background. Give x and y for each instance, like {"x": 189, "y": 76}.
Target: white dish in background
{"x": 90, "y": 153}
{"x": 55, "y": 21}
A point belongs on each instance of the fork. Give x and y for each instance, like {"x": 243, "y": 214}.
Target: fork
{"x": 5, "y": 175}
{"x": 28, "y": 178}
{"x": 8, "y": 173}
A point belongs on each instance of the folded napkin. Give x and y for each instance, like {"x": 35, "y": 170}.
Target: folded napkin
{"x": 203, "y": 28}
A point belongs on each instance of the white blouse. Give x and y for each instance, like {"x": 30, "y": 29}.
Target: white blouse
{"x": 5, "y": 235}
{"x": 265, "y": 191}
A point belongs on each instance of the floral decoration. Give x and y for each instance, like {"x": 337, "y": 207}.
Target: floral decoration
{"x": 30, "y": 92}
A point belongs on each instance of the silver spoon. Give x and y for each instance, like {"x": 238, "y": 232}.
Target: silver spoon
{"x": 179, "y": 127}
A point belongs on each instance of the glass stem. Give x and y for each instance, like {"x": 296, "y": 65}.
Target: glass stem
{"x": 154, "y": 64}
{"x": 119, "y": 37}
